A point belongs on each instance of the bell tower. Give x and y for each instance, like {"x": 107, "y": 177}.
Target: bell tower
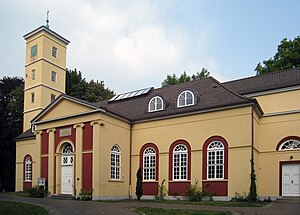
{"x": 45, "y": 70}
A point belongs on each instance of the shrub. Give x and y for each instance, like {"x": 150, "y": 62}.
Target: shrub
{"x": 196, "y": 193}
{"x": 86, "y": 194}
{"x": 162, "y": 191}
{"x": 139, "y": 184}
{"x": 38, "y": 192}
{"x": 240, "y": 197}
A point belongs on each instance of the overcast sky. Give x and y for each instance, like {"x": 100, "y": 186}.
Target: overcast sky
{"x": 134, "y": 44}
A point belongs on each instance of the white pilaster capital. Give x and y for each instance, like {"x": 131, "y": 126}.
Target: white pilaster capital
{"x": 97, "y": 122}
{"x": 79, "y": 125}
{"x": 51, "y": 130}
{"x": 38, "y": 133}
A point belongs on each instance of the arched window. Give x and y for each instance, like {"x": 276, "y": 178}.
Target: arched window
{"x": 67, "y": 158}
{"x": 28, "y": 169}
{"x": 155, "y": 104}
{"x": 149, "y": 164}
{"x": 180, "y": 162}
{"x": 290, "y": 145}
{"x": 115, "y": 163}
{"x": 186, "y": 98}
{"x": 215, "y": 160}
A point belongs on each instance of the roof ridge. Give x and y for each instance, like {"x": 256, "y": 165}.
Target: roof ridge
{"x": 226, "y": 88}
{"x": 261, "y": 75}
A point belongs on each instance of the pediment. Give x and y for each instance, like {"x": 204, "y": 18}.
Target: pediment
{"x": 64, "y": 107}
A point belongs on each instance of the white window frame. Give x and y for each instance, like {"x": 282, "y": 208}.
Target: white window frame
{"x": 154, "y": 101}
{"x": 184, "y": 95}
{"x": 33, "y": 51}
{"x": 181, "y": 153}
{"x": 28, "y": 169}
{"x": 33, "y": 74}
{"x": 67, "y": 155}
{"x": 149, "y": 164}
{"x": 115, "y": 163}
{"x": 290, "y": 144}
{"x": 32, "y": 97}
{"x": 54, "y": 51}
{"x": 215, "y": 149}
{"x": 52, "y": 97}
{"x": 53, "y": 76}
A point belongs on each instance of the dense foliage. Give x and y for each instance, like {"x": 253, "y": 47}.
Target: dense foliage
{"x": 11, "y": 117}
{"x": 286, "y": 57}
{"x": 92, "y": 91}
{"x": 173, "y": 79}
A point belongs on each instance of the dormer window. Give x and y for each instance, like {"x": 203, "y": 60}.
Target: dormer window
{"x": 155, "y": 104}
{"x": 186, "y": 98}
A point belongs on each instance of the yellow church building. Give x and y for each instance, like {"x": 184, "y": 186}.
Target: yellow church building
{"x": 203, "y": 130}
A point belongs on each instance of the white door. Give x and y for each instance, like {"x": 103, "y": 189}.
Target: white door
{"x": 291, "y": 180}
{"x": 67, "y": 175}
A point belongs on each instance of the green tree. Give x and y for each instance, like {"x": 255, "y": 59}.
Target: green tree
{"x": 92, "y": 91}
{"x": 139, "y": 184}
{"x": 199, "y": 75}
{"x": 11, "y": 117}
{"x": 286, "y": 57}
{"x": 173, "y": 79}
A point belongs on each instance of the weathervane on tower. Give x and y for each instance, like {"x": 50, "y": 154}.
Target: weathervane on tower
{"x": 47, "y": 20}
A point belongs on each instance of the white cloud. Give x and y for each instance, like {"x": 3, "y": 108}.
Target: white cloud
{"x": 127, "y": 44}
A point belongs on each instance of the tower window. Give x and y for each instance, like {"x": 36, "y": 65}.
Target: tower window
{"x": 33, "y": 52}
{"x": 33, "y": 74}
{"x": 32, "y": 97}
{"x": 52, "y": 97}
{"x": 53, "y": 76}
{"x": 54, "y": 51}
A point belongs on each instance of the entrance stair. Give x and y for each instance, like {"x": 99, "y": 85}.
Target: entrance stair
{"x": 62, "y": 197}
{"x": 290, "y": 199}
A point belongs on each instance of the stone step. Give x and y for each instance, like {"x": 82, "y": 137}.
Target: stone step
{"x": 62, "y": 197}
{"x": 290, "y": 199}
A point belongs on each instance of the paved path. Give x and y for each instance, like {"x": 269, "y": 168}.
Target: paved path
{"x": 58, "y": 207}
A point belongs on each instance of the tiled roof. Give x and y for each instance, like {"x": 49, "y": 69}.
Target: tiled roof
{"x": 209, "y": 94}
{"x": 27, "y": 134}
{"x": 265, "y": 82}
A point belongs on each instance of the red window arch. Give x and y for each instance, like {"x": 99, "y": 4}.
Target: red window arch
{"x": 27, "y": 172}
{"x": 179, "y": 186}
{"x": 172, "y": 161}
{"x": 286, "y": 139}
{"x": 215, "y": 165}
{"x": 150, "y": 173}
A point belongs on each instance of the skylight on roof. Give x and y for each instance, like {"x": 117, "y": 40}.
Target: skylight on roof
{"x": 131, "y": 94}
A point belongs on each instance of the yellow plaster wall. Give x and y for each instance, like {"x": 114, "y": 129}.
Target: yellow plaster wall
{"x": 65, "y": 108}
{"x": 22, "y": 149}
{"x": 233, "y": 125}
{"x": 45, "y": 43}
{"x": 43, "y": 64}
{"x": 49, "y": 42}
{"x": 113, "y": 132}
{"x": 280, "y": 102}
{"x": 272, "y": 131}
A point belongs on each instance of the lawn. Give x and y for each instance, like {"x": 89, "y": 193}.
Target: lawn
{"x": 161, "y": 211}
{"x": 20, "y": 194}
{"x": 203, "y": 203}
{"x": 209, "y": 203}
{"x": 18, "y": 208}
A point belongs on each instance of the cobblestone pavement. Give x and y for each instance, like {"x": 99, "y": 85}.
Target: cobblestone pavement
{"x": 58, "y": 207}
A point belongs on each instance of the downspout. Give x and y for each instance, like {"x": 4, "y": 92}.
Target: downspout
{"x": 252, "y": 134}
{"x": 130, "y": 161}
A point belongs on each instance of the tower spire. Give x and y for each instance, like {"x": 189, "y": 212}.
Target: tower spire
{"x": 47, "y": 20}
